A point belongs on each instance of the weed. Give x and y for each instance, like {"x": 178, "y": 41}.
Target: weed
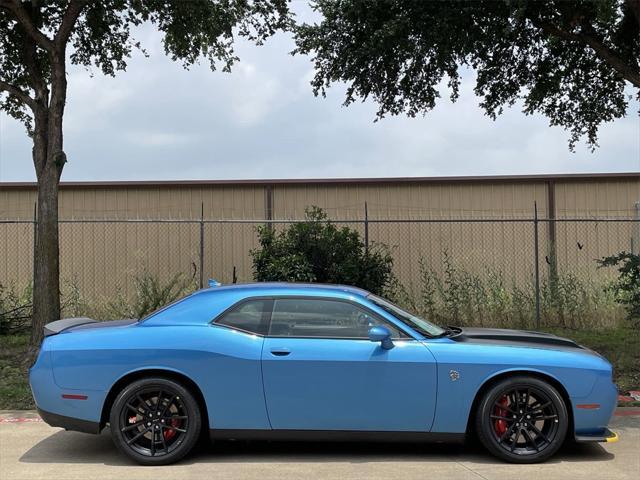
{"x": 459, "y": 297}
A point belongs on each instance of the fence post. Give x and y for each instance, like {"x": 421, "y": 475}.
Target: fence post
{"x": 635, "y": 235}
{"x": 268, "y": 206}
{"x": 202, "y": 245}
{"x": 537, "y": 261}
{"x": 35, "y": 240}
{"x": 366, "y": 228}
{"x": 551, "y": 232}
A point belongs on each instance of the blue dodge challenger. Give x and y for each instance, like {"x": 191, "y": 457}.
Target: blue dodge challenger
{"x": 309, "y": 361}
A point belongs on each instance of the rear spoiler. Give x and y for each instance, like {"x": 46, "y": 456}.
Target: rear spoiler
{"x": 58, "y": 326}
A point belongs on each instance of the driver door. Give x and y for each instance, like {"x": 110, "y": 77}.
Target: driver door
{"x": 321, "y": 371}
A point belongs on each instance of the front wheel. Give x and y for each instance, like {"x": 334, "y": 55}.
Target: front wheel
{"x": 155, "y": 421}
{"x": 522, "y": 420}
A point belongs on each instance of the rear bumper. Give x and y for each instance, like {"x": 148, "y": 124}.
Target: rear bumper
{"x": 57, "y": 406}
{"x": 69, "y": 423}
{"x": 607, "y": 436}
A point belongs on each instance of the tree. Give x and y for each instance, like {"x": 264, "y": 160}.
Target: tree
{"x": 627, "y": 285}
{"x": 318, "y": 251}
{"x": 40, "y": 38}
{"x": 570, "y": 61}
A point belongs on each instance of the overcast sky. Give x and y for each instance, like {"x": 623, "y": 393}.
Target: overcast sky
{"x": 157, "y": 121}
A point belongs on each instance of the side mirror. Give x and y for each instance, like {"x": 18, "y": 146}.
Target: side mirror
{"x": 381, "y": 334}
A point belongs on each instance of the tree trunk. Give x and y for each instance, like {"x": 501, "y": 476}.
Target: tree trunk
{"x": 46, "y": 282}
{"x": 49, "y": 159}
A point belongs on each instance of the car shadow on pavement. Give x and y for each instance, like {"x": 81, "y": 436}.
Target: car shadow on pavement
{"x": 73, "y": 448}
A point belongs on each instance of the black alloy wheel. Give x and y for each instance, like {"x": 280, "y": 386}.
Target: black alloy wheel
{"x": 155, "y": 421}
{"x": 522, "y": 420}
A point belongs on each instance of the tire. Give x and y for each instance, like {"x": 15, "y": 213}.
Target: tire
{"x": 152, "y": 432}
{"x": 522, "y": 420}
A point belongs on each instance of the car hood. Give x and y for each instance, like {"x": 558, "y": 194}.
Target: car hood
{"x": 516, "y": 338}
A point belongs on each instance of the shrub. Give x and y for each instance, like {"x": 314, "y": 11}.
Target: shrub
{"x": 151, "y": 293}
{"x": 627, "y": 286}
{"x": 15, "y": 309}
{"x": 316, "y": 250}
{"x": 16, "y": 306}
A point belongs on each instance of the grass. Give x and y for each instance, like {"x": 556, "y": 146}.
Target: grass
{"x": 15, "y": 393}
{"x": 621, "y": 346}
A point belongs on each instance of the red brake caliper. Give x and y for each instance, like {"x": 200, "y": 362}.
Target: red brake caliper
{"x": 500, "y": 426}
{"x": 169, "y": 434}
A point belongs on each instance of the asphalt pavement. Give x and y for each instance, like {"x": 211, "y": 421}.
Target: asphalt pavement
{"x": 31, "y": 450}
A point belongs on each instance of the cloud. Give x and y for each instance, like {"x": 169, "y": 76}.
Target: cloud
{"x": 256, "y": 96}
{"x": 157, "y": 139}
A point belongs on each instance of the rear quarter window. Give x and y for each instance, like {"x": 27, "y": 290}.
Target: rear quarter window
{"x": 249, "y": 316}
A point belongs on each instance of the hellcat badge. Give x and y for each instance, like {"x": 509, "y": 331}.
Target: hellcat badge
{"x": 454, "y": 375}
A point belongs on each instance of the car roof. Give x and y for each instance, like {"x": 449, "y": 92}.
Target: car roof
{"x": 224, "y": 296}
{"x": 259, "y": 288}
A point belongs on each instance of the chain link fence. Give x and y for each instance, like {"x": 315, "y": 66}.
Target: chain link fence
{"x": 503, "y": 272}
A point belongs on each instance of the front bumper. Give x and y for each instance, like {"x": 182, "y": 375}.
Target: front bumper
{"x": 608, "y": 436}
{"x": 592, "y": 413}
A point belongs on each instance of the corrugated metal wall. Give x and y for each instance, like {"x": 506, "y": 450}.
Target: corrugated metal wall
{"x": 102, "y": 258}
{"x": 431, "y": 199}
{"x": 598, "y": 198}
{"x": 413, "y": 200}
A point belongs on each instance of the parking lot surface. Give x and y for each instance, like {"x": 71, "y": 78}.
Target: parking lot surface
{"x": 31, "y": 450}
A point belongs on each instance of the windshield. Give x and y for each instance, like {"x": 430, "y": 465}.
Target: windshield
{"x": 413, "y": 321}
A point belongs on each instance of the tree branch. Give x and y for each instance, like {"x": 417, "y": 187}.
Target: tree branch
{"x": 35, "y": 78}
{"x": 627, "y": 71}
{"x": 21, "y": 95}
{"x": 35, "y": 75}
{"x": 24, "y": 19}
{"x": 68, "y": 21}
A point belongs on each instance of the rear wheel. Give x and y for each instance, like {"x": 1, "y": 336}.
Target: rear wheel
{"x": 522, "y": 420}
{"x": 155, "y": 421}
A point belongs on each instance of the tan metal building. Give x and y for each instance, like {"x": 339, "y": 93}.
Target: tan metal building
{"x": 102, "y": 257}
{"x": 574, "y": 195}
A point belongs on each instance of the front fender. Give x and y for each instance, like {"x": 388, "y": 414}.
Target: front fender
{"x": 476, "y": 365}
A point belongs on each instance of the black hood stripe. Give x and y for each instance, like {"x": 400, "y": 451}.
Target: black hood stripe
{"x": 498, "y": 336}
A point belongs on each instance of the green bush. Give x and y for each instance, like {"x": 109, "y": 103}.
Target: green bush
{"x": 316, "y": 250}
{"x": 627, "y": 286}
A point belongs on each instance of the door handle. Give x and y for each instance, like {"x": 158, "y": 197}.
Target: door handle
{"x": 280, "y": 352}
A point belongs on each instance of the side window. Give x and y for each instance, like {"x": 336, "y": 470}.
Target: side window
{"x": 306, "y": 317}
{"x": 251, "y": 316}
